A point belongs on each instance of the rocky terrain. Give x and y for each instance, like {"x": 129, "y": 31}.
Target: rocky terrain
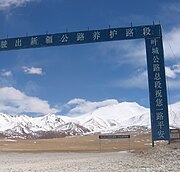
{"x": 162, "y": 158}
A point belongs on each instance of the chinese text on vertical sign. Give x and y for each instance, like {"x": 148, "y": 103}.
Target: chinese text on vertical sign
{"x": 157, "y": 88}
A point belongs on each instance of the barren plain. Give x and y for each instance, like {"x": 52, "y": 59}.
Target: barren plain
{"x": 89, "y": 143}
{"x": 86, "y": 154}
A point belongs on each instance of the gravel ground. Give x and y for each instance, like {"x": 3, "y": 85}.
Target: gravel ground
{"x": 162, "y": 158}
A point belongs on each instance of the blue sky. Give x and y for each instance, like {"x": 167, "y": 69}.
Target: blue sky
{"x": 45, "y": 80}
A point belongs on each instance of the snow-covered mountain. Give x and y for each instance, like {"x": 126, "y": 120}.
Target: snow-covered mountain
{"x": 107, "y": 118}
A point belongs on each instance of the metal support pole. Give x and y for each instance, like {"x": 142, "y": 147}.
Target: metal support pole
{"x": 152, "y": 143}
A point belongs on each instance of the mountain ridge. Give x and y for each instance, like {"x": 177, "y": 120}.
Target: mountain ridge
{"x": 109, "y": 118}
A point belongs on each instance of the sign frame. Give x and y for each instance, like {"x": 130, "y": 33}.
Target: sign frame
{"x": 152, "y": 34}
{"x": 115, "y": 136}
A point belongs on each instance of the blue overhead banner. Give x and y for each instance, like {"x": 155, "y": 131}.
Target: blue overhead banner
{"x": 81, "y": 37}
{"x": 157, "y": 89}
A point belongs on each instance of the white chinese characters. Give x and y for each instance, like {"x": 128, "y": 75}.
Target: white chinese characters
{"x": 34, "y": 41}
{"x": 96, "y": 35}
{"x": 80, "y": 36}
{"x": 49, "y": 39}
{"x": 64, "y": 38}
{"x": 113, "y": 34}
{"x": 3, "y": 44}
{"x": 158, "y": 86}
{"x": 18, "y": 43}
{"x": 130, "y": 32}
{"x": 146, "y": 31}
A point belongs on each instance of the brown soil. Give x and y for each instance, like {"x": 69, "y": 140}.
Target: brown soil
{"x": 137, "y": 142}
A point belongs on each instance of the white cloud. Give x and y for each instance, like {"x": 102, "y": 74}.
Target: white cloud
{"x": 81, "y": 106}
{"x": 31, "y": 87}
{"x": 170, "y": 73}
{"x": 175, "y": 106}
{"x": 139, "y": 80}
{"x": 173, "y": 7}
{"x": 173, "y": 84}
{"x": 7, "y": 81}
{"x": 171, "y": 44}
{"x": 133, "y": 51}
{"x": 127, "y": 52}
{"x": 176, "y": 68}
{"x": 76, "y": 101}
{"x": 14, "y": 101}
{"x": 5, "y": 4}
{"x": 173, "y": 71}
{"x": 6, "y": 73}
{"x": 32, "y": 70}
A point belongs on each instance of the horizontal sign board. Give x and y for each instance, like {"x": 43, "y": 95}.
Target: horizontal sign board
{"x": 174, "y": 130}
{"x": 80, "y": 37}
{"x": 114, "y": 136}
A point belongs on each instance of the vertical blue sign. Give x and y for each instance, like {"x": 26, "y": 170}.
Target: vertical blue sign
{"x": 157, "y": 89}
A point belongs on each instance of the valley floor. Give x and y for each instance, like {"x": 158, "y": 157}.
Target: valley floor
{"x": 88, "y": 154}
{"x": 162, "y": 158}
{"x": 90, "y": 143}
